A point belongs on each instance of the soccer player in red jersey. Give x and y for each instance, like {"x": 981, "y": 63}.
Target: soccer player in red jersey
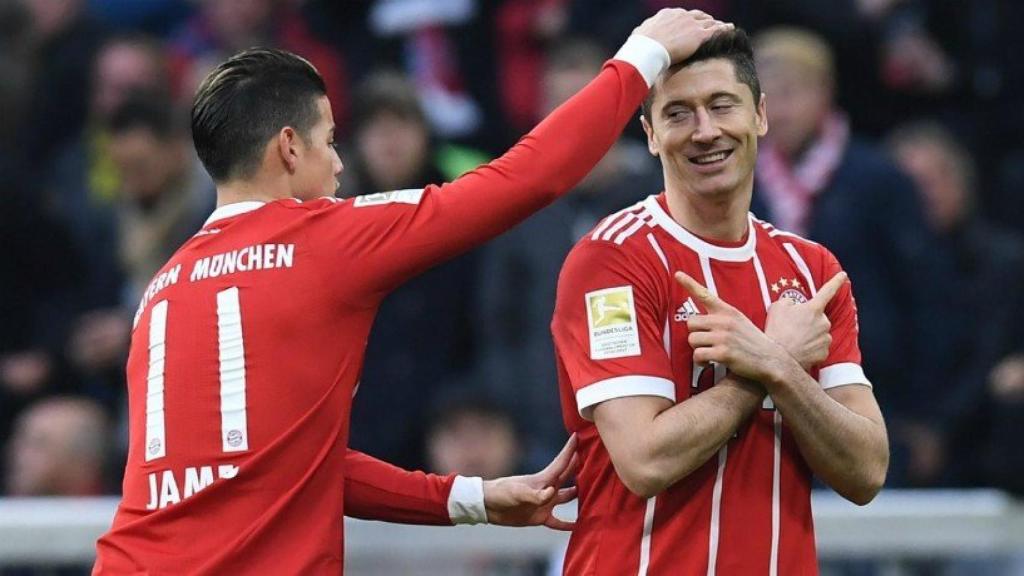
{"x": 708, "y": 361}
{"x": 248, "y": 344}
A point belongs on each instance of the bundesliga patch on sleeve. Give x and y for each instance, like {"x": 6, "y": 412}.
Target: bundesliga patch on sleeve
{"x": 611, "y": 321}
{"x": 408, "y": 196}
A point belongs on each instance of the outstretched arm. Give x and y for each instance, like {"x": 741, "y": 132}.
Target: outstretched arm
{"x": 376, "y": 490}
{"x": 427, "y": 226}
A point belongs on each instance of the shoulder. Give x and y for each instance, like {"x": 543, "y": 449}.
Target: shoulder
{"x": 619, "y": 240}
{"x": 805, "y": 253}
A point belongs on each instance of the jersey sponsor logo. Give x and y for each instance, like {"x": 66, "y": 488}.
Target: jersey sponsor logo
{"x": 686, "y": 311}
{"x": 407, "y": 196}
{"x": 789, "y": 288}
{"x": 611, "y": 319}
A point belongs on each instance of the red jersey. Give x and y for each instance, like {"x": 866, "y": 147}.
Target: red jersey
{"x": 620, "y": 330}
{"x": 248, "y": 345}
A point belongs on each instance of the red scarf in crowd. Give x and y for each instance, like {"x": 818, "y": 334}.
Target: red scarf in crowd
{"x": 790, "y": 188}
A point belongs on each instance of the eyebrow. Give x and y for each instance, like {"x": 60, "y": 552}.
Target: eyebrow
{"x": 732, "y": 97}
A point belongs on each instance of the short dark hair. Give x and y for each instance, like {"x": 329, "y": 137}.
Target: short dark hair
{"x": 386, "y": 92}
{"x": 246, "y": 101}
{"x": 733, "y": 45}
{"x": 151, "y": 112}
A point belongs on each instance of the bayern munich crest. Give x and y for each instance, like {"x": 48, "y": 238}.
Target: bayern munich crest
{"x": 234, "y": 438}
{"x": 789, "y": 288}
{"x": 154, "y": 446}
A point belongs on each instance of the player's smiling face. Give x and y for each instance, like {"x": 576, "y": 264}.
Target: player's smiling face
{"x": 704, "y": 127}
{"x": 317, "y": 173}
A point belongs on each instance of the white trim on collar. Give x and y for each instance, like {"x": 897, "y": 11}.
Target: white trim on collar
{"x": 738, "y": 254}
{"x": 233, "y": 209}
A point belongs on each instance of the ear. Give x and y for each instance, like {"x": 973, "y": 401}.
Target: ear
{"x": 287, "y": 148}
{"x": 762, "y": 116}
{"x": 652, "y": 144}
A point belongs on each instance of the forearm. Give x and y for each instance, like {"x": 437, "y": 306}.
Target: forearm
{"x": 847, "y": 450}
{"x": 682, "y": 438}
{"x": 376, "y": 490}
{"x": 542, "y": 166}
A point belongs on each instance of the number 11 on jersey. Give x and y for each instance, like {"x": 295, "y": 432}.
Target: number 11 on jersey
{"x": 234, "y": 427}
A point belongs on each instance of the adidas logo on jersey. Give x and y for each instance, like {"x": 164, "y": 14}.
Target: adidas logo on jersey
{"x": 688, "y": 309}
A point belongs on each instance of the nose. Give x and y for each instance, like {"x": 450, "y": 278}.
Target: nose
{"x": 706, "y": 131}
{"x": 338, "y": 165}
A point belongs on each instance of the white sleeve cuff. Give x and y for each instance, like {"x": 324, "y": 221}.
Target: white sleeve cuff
{"x": 620, "y": 387}
{"x": 841, "y": 375}
{"x": 466, "y": 501}
{"x": 647, "y": 55}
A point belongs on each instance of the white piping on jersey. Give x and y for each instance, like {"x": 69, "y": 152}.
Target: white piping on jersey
{"x": 773, "y": 563}
{"x": 716, "y": 511}
{"x": 842, "y": 374}
{"x": 645, "y": 540}
{"x": 642, "y": 218}
{"x": 702, "y": 248}
{"x": 723, "y": 453}
{"x": 622, "y": 222}
{"x": 773, "y": 566}
{"x": 802, "y": 266}
{"x": 773, "y": 231}
{"x": 622, "y": 386}
{"x": 156, "y": 437}
{"x": 233, "y": 209}
{"x": 610, "y": 219}
{"x": 658, "y": 251}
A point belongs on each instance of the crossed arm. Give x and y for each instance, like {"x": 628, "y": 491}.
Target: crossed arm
{"x": 840, "y": 432}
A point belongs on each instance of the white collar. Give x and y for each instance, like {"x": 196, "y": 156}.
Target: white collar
{"x": 233, "y": 209}
{"x": 698, "y": 245}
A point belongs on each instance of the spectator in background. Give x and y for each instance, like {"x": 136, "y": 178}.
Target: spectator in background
{"x": 471, "y": 435}
{"x": 59, "y": 448}
{"x": 63, "y": 39}
{"x": 163, "y": 199}
{"x": 84, "y": 184}
{"x": 221, "y": 28}
{"x": 984, "y": 395}
{"x": 165, "y": 195}
{"x": 815, "y": 179}
{"x": 422, "y": 338}
{"x": 519, "y": 270}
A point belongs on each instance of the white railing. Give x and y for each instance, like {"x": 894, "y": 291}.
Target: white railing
{"x": 899, "y": 523}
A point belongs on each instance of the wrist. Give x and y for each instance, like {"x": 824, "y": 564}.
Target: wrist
{"x": 646, "y": 54}
{"x": 467, "y": 501}
{"x": 780, "y": 370}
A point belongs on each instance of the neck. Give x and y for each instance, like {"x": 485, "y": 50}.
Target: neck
{"x": 257, "y": 189}
{"x": 720, "y": 217}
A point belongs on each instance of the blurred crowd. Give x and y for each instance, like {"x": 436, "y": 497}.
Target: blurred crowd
{"x": 896, "y": 138}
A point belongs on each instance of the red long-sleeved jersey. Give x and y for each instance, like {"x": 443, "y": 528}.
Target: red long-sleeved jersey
{"x": 249, "y": 342}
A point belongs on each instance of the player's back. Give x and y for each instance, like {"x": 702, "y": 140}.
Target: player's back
{"x": 240, "y": 385}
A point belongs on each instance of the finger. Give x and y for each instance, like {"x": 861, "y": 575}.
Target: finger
{"x": 566, "y": 495}
{"x": 701, "y": 339}
{"x": 698, "y": 291}
{"x": 828, "y": 291}
{"x": 569, "y": 472}
{"x": 701, "y": 323}
{"x": 707, "y": 354}
{"x": 561, "y": 461}
{"x": 556, "y": 523}
{"x": 543, "y": 496}
{"x": 700, "y": 15}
